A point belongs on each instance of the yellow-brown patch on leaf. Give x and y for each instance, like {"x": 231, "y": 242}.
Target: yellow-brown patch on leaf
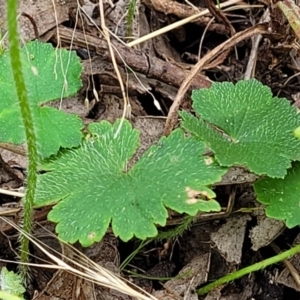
{"x": 91, "y": 235}
{"x": 194, "y": 196}
{"x": 34, "y": 70}
{"x": 208, "y": 161}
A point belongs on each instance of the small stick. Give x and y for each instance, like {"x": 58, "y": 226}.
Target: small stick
{"x": 176, "y": 24}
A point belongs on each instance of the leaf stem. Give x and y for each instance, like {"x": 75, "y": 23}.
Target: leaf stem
{"x": 255, "y": 267}
{"x": 27, "y": 118}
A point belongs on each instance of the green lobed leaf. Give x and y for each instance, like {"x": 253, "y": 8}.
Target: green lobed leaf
{"x": 281, "y": 196}
{"x": 11, "y": 282}
{"x": 49, "y": 75}
{"x": 245, "y": 126}
{"x": 95, "y": 187}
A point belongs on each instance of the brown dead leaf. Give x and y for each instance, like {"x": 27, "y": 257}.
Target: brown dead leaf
{"x": 266, "y": 231}
{"x": 229, "y": 238}
{"x": 192, "y": 275}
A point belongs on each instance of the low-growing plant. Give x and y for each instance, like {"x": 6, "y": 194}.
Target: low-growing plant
{"x": 87, "y": 178}
{"x": 11, "y": 283}
{"x": 28, "y": 78}
{"x": 49, "y": 74}
{"x": 245, "y": 126}
{"x": 94, "y": 188}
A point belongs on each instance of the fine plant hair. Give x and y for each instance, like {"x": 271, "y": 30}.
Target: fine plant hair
{"x": 132, "y": 17}
{"x": 28, "y": 121}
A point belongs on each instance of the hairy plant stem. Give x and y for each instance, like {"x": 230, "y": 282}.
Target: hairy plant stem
{"x": 255, "y": 267}
{"x": 130, "y": 17}
{"x": 173, "y": 233}
{"x": 27, "y": 118}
